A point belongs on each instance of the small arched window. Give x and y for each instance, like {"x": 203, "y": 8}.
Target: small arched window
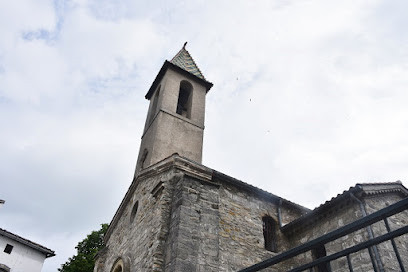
{"x": 134, "y": 211}
{"x": 320, "y": 252}
{"x": 118, "y": 266}
{"x": 269, "y": 232}
{"x": 184, "y": 99}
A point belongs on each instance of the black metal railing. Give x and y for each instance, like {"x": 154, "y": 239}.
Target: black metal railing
{"x": 359, "y": 224}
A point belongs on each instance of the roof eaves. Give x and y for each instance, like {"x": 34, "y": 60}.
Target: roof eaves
{"x": 358, "y": 190}
{"x": 256, "y": 190}
{"x": 163, "y": 70}
{"x": 383, "y": 187}
{"x": 312, "y": 215}
{"x": 48, "y": 252}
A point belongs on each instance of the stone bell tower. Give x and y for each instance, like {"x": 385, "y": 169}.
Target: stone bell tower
{"x": 175, "y": 119}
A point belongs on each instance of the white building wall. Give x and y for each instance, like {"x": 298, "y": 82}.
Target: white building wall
{"x": 22, "y": 258}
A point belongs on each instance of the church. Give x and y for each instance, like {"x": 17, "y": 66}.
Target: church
{"x": 179, "y": 215}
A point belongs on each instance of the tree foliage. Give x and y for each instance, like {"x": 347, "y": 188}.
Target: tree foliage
{"x": 84, "y": 260}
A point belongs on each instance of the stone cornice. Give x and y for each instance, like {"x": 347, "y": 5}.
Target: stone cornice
{"x": 341, "y": 201}
{"x": 175, "y": 161}
{"x": 178, "y": 116}
{"x": 256, "y": 191}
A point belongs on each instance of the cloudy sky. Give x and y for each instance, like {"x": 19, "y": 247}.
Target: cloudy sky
{"x": 309, "y": 98}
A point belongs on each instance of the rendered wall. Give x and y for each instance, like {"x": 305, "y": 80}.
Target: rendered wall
{"x": 22, "y": 258}
{"x": 167, "y": 132}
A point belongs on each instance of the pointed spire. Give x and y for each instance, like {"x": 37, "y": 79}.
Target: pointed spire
{"x": 184, "y": 60}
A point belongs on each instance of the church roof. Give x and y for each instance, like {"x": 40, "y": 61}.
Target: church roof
{"x": 184, "y": 60}
{"x": 361, "y": 189}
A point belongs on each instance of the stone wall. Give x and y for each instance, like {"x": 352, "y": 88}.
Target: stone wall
{"x": 140, "y": 242}
{"x": 241, "y": 228}
{"x": 192, "y": 244}
{"x": 388, "y": 258}
{"x": 216, "y": 226}
{"x": 347, "y": 212}
{"x": 188, "y": 223}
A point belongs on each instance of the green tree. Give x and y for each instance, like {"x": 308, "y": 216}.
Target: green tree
{"x": 84, "y": 260}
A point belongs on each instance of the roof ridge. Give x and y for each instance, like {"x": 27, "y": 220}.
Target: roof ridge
{"x": 398, "y": 182}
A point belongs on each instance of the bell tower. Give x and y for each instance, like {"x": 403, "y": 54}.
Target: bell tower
{"x": 175, "y": 119}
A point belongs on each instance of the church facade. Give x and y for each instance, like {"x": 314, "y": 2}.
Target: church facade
{"x": 179, "y": 215}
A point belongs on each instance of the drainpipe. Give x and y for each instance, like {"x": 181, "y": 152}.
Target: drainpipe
{"x": 279, "y": 213}
{"x": 370, "y": 234}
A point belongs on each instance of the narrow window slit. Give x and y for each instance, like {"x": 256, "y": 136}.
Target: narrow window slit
{"x": 269, "y": 232}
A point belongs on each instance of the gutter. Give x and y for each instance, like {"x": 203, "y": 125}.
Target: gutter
{"x": 280, "y": 213}
{"x": 370, "y": 235}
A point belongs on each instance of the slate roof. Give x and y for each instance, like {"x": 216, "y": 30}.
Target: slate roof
{"x": 184, "y": 60}
{"x": 183, "y": 63}
{"x": 46, "y": 251}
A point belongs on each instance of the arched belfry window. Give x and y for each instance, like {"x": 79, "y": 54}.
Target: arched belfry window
{"x": 184, "y": 99}
{"x": 269, "y": 232}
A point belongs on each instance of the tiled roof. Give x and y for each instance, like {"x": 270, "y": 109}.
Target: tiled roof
{"x": 183, "y": 63}
{"x": 184, "y": 60}
{"x": 359, "y": 189}
{"x": 46, "y": 251}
